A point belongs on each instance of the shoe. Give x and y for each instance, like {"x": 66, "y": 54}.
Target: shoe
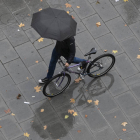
{"x": 42, "y": 81}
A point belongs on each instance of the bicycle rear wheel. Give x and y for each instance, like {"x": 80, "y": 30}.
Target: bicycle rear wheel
{"x": 101, "y": 65}
{"x": 56, "y": 85}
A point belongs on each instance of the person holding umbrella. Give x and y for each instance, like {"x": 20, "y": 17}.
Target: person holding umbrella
{"x": 58, "y": 25}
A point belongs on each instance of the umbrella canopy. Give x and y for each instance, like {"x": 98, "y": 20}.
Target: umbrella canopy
{"x": 54, "y": 24}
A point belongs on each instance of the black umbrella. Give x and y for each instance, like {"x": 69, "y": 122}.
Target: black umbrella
{"x": 54, "y": 24}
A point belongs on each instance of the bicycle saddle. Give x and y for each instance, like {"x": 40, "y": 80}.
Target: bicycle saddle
{"x": 92, "y": 51}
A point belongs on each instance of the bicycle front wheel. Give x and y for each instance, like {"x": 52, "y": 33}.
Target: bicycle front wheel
{"x": 101, "y": 65}
{"x": 56, "y": 85}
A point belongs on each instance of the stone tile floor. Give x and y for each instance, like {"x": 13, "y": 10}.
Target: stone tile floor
{"x": 118, "y": 91}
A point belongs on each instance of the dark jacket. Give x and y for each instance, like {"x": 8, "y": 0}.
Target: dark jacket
{"x": 66, "y": 48}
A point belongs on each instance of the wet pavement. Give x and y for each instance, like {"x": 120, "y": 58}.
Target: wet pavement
{"x": 24, "y": 60}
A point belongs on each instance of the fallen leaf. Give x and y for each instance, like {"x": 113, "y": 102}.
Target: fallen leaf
{"x": 45, "y": 127}
{"x": 138, "y": 56}
{"x": 97, "y": 2}
{"x": 7, "y": 111}
{"x": 114, "y": 51}
{"x": 75, "y": 114}
{"x": 49, "y": 98}
{"x": 42, "y": 110}
{"x": 115, "y": 117}
{"x": 123, "y": 129}
{"x": 77, "y": 80}
{"x": 72, "y": 100}
{"x": 79, "y": 131}
{"x": 40, "y": 40}
{"x": 19, "y": 95}
{"x": 0, "y": 126}
{"x": 37, "y": 88}
{"x": 40, "y": 9}
{"x": 124, "y": 123}
{"x": 68, "y": 12}
{"x": 89, "y": 101}
{"x": 98, "y": 24}
{"x": 96, "y": 102}
{"x": 36, "y": 61}
{"x": 78, "y": 6}
{"x": 105, "y": 50}
{"x": 13, "y": 114}
{"x": 67, "y": 5}
{"x": 70, "y": 111}
{"x": 73, "y": 17}
{"x": 28, "y": 14}
{"x": 125, "y": 25}
{"x": 21, "y": 25}
{"x": 26, "y": 134}
{"x": 66, "y": 116}
{"x": 27, "y": 78}
{"x": 41, "y": 0}
{"x": 125, "y": 0}
{"x": 85, "y": 116}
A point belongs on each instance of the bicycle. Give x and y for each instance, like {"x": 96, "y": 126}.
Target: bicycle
{"x": 58, "y": 83}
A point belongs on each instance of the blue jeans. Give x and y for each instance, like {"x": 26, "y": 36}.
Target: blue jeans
{"x": 54, "y": 58}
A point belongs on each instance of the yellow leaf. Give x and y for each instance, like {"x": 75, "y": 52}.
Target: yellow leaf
{"x": 124, "y": 123}
{"x": 70, "y": 111}
{"x": 36, "y": 61}
{"x": 21, "y": 25}
{"x": 72, "y": 100}
{"x": 85, "y": 116}
{"x": 68, "y": 12}
{"x": 26, "y": 134}
{"x": 79, "y": 131}
{"x": 98, "y": 24}
{"x": 75, "y": 114}
{"x": 67, "y": 5}
{"x": 78, "y": 6}
{"x": 12, "y": 114}
{"x": 123, "y": 129}
{"x": 40, "y": 9}
{"x": 37, "y": 88}
{"x": 27, "y": 78}
{"x": 73, "y": 17}
{"x": 96, "y": 102}
{"x": 125, "y": 0}
{"x": 42, "y": 110}
{"x": 40, "y": 40}
{"x": 114, "y": 51}
{"x": 89, "y": 101}
{"x": 66, "y": 116}
{"x": 138, "y": 56}
{"x": 105, "y": 50}
{"x": 45, "y": 127}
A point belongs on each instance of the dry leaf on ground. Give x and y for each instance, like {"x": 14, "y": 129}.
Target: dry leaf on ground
{"x": 37, "y": 88}
{"x": 67, "y": 5}
{"x": 98, "y": 2}
{"x": 49, "y": 98}
{"x": 72, "y": 100}
{"x": 115, "y": 117}
{"x": 36, "y": 61}
{"x": 114, "y": 51}
{"x": 123, "y": 129}
{"x": 125, "y": 0}
{"x": 73, "y": 17}
{"x": 21, "y": 25}
{"x": 77, "y": 80}
{"x": 75, "y": 114}
{"x": 125, "y": 25}
{"x": 27, "y": 78}
{"x": 78, "y": 6}
{"x": 26, "y": 134}
{"x": 7, "y": 111}
{"x": 13, "y": 114}
{"x": 124, "y": 123}
{"x": 41, "y": 0}
{"x": 70, "y": 111}
{"x": 138, "y": 56}
{"x": 0, "y": 126}
{"x": 105, "y": 50}
{"x": 19, "y": 95}
{"x": 45, "y": 127}
{"x": 98, "y": 24}
{"x": 42, "y": 110}
{"x": 68, "y": 12}
{"x": 66, "y": 116}
{"x": 40, "y": 9}
{"x": 96, "y": 102}
{"x": 89, "y": 101}
{"x": 85, "y": 116}
{"x": 79, "y": 131}
{"x": 40, "y": 40}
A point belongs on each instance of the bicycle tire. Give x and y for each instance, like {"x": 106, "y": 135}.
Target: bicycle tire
{"x": 56, "y": 76}
{"x": 99, "y": 57}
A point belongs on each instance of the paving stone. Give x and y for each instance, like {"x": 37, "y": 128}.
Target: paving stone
{"x": 118, "y": 28}
{"x": 39, "y": 70}
{"x": 106, "y": 102}
{"x": 105, "y": 10}
{"x": 21, "y": 110}
{"x": 106, "y": 134}
{"x": 32, "y": 35}
{"x": 35, "y": 5}
{"x": 17, "y": 70}
{"x": 48, "y": 116}
{"x": 83, "y": 134}
{"x": 135, "y": 88}
{"x": 135, "y": 122}
{"x": 27, "y": 89}
{"x": 91, "y": 1}
{"x": 136, "y": 3}
{"x": 115, "y": 122}
{"x": 15, "y": 35}
{"x": 108, "y": 42}
{"x": 29, "y": 57}
{"x": 35, "y": 129}
{"x": 95, "y": 120}
{"x": 80, "y": 25}
{"x": 131, "y": 51}
{"x": 7, "y": 53}
{"x": 10, "y": 128}
{"x": 2, "y": 136}
{"x": 95, "y": 31}
{"x": 85, "y": 42}
{"x": 8, "y": 89}
{"x": 137, "y": 64}
{"x": 2, "y": 36}
{"x": 125, "y": 68}
{"x": 85, "y": 9}
{"x": 114, "y": 83}
{"x": 3, "y": 72}
{"x": 128, "y": 12}
{"x": 6, "y": 17}
{"x": 24, "y": 16}
{"x": 124, "y": 101}
{"x": 14, "y": 5}
{"x": 1, "y": 2}
{"x": 21, "y": 138}
{"x": 71, "y": 121}
{"x": 132, "y": 135}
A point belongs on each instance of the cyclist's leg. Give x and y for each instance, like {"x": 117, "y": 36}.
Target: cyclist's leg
{"x": 78, "y": 60}
{"x": 52, "y": 65}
